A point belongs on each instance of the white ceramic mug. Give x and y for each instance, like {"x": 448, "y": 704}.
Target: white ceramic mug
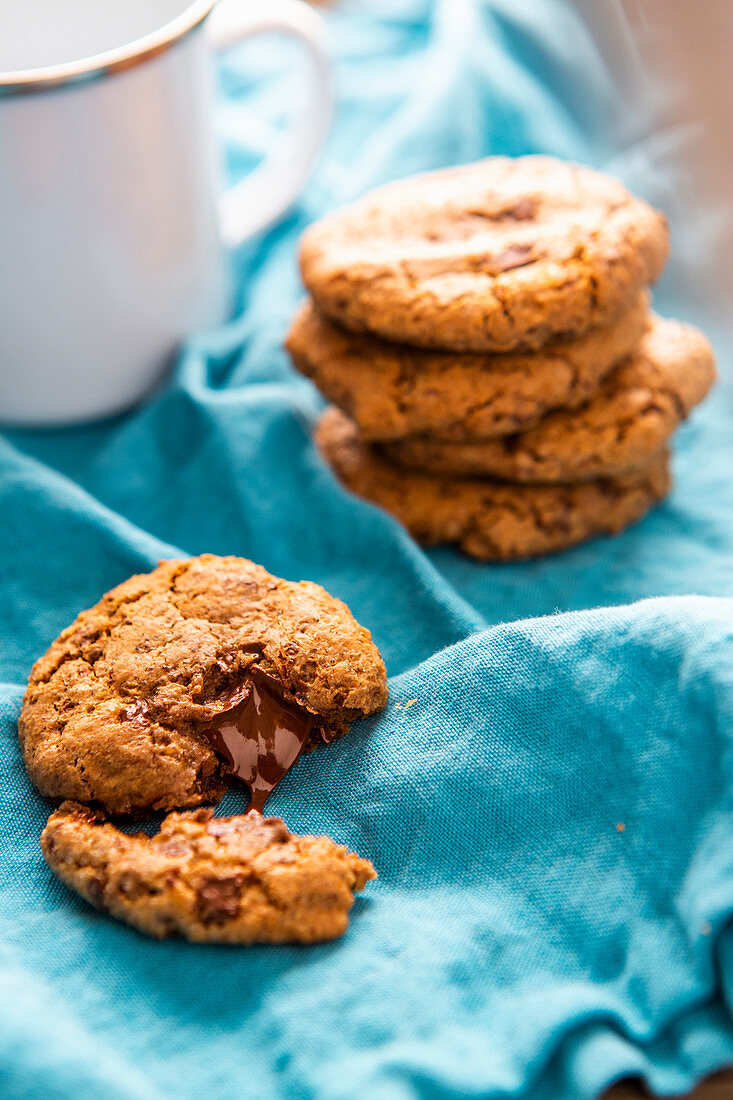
{"x": 113, "y": 233}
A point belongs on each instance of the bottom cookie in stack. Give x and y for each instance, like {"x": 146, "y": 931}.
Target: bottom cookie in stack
{"x": 491, "y": 520}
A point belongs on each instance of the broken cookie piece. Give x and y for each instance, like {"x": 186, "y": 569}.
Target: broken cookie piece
{"x": 243, "y": 879}
{"x": 184, "y": 678}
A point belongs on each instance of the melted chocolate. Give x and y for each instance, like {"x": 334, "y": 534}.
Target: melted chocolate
{"x": 260, "y": 738}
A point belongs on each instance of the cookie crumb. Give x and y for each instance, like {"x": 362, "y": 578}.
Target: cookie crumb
{"x": 620, "y": 827}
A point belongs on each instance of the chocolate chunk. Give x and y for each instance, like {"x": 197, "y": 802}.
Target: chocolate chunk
{"x": 95, "y": 892}
{"x": 523, "y": 211}
{"x": 218, "y": 899}
{"x": 517, "y": 255}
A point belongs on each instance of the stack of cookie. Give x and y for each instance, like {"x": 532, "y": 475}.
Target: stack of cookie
{"x": 497, "y": 376}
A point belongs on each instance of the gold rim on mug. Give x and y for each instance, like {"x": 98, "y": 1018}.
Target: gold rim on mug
{"x": 109, "y": 61}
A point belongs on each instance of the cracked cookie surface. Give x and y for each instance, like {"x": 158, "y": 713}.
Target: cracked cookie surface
{"x": 114, "y": 712}
{"x": 392, "y": 390}
{"x": 621, "y": 428}
{"x": 490, "y": 520}
{"x": 495, "y": 255}
{"x": 243, "y": 879}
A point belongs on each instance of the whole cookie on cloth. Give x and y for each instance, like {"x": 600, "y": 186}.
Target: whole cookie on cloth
{"x": 392, "y": 390}
{"x": 181, "y": 678}
{"x": 490, "y": 520}
{"x": 243, "y": 879}
{"x": 621, "y": 428}
{"x": 500, "y": 254}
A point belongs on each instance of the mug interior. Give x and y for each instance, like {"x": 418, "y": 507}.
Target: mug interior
{"x": 39, "y": 34}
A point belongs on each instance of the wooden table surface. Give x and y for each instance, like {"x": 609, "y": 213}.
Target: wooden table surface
{"x": 717, "y": 1087}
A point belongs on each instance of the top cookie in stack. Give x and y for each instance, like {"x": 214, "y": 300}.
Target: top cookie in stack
{"x": 465, "y": 318}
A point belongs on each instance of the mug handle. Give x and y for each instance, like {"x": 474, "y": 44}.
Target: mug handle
{"x": 274, "y": 185}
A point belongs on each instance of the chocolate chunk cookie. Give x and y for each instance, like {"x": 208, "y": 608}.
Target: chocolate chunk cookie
{"x": 504, "y": 253}
{"x": 392, "y": 390}
{"x": 211, "y": 879}
{"x": 181, "y": 678}
{"x": 628, "y": 421}
{"x": 490, "y": 520}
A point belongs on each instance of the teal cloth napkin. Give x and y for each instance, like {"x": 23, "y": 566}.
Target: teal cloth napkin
{"x": 551, "y": 814}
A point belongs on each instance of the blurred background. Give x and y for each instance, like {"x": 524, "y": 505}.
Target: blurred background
{"x": 641, "y": 88}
